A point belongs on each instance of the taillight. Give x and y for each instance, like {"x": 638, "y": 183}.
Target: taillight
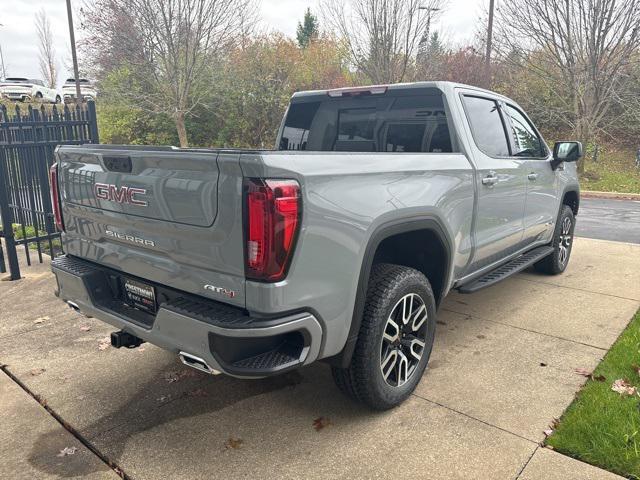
{"x": 272, "y": 223}
{"x": 55, "y": 197}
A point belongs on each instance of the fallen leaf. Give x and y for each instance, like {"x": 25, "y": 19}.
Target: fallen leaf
{"x": 542, "y": 364}
{"x": 234, "y": 443}
{"x": 36, "y": 371}
{"x": 321, "y": 422}
{"x": 164, "y": 398}
{"x": 40, "y": 320}
{"x": 623, "y": 387}
{"x": 636, "y": 369}
{"x": 104, "y": 343}
{"x": 85, "y": 328}
{"x": 583, "y": 371}
{"x": 67, "y": 451}
{"x": 599, "y": 378}
{"x": 141, "y": 349}
{"x": 548, "y": 432}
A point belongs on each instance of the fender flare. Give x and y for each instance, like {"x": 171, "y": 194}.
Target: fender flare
{"x": 570, "y": 189}
{"x": 381, "y": 233}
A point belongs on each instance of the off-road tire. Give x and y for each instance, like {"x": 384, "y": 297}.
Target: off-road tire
{"x": 363, "y": 379}
{"x": 552, "y": 264}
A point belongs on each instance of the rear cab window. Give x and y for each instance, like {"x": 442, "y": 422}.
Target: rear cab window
{"x": 398, "y": 121}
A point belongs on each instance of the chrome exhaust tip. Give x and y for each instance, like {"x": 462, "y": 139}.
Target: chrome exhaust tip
{"x": 197, "y": 363}
{"x": 74, "y": 306}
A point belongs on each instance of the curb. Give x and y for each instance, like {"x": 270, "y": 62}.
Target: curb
{"x": 610, "y": 195}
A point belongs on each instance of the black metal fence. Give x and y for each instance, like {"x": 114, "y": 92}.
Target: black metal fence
{"x": 28, "y": 138}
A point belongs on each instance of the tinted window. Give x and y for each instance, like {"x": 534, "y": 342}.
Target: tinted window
{"x": 384, "y": 123}
{"x": 526, "y": 141}
{"x": 357, "y": 124}
{"x": 405, "y": 137}
{"x": 296, "y": 128}
{"x": 486, "y": 126}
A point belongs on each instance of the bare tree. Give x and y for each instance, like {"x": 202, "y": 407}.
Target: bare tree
{"x": 169, "y": 45}
{"x": 580, "y": 49}
{"x": 382, "y": 36}
{"x": 46, "y": 50}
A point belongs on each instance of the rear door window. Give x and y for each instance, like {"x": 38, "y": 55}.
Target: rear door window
{"x": 487, "y": 125}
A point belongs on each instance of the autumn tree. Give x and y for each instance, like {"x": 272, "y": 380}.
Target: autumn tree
{"x": 308, "y": 30}
{"x": 256, "y": 84}
{"x": 46, "y": 49}
{"x": 382, "y": 36}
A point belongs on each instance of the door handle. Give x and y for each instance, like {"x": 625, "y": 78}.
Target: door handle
{"x": 532, "y": 176}
{"x": 490, "y": 180}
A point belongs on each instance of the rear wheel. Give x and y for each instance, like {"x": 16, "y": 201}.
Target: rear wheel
{"x": 58, "y": 99}
{"x": 395, "y": 338}
{"x": 562, "y": 244}
{"x": 39, "y": 97}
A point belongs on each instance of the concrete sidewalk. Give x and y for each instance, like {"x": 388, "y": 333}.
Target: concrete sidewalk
{"x": 502, "y": 369}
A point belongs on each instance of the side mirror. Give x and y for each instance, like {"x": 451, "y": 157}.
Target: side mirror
{"x": 566, "y": 152}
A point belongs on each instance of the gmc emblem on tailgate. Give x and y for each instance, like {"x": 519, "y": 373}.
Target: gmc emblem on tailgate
{"x": 112, "y": 193}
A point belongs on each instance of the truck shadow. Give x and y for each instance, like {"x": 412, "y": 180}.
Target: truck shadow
{"x": 200, "y": 394}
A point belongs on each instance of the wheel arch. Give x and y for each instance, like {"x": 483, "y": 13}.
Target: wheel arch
{"x": 417, "y": 235}
{"x": 571, "y": 198}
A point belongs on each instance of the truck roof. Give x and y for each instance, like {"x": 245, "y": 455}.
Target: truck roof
{"x": 443, "y": 86}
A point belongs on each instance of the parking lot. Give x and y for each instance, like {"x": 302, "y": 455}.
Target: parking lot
{"x": 502, "y": 369}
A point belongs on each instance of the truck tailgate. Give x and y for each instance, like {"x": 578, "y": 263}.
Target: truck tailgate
{"x": 170, "y": 216}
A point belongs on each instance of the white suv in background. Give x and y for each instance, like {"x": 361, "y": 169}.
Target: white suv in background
{"x": 87, "y": 90}
{"x": 21, "y": 89}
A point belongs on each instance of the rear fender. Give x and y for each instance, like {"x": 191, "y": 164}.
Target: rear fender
{"x": 385, "y": 231}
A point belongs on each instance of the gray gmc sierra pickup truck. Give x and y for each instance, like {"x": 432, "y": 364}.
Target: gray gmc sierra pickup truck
{"x": 338, "y": 245}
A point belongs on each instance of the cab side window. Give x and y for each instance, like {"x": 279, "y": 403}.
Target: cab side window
{"x": 527, "y": 142}
{"x": 487, "y": 126}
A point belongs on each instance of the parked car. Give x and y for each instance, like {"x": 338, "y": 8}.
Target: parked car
{"x": 28, "y": 89}
{"x": 339, "y": 246}
{"x": 87, "y": 90}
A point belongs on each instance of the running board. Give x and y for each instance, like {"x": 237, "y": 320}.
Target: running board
{"x": 505, "y": 271}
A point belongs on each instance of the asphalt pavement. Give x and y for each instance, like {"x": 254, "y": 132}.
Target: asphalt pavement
{"x": 616, "y": 220}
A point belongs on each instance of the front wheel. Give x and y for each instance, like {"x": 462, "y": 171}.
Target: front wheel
{"x": 562, "y": 244}
{"x": 395, "y": 338}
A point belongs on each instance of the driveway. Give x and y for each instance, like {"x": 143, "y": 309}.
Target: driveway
{"x": 502, "y": 369}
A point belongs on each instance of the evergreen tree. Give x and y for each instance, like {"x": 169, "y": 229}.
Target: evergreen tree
{"x": 435, "y": 47}
{"x": 307, "y": 29}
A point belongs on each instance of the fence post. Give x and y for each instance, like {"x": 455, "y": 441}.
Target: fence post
{"x": 93, "y": 121}
{"x": 7, "y": 224}
{"x": 3, "y": 268}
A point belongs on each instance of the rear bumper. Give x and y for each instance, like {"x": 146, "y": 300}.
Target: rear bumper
{"x": 227, "y": 338}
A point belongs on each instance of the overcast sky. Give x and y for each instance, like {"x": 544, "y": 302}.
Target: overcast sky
{"x": 18, "y": 37}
